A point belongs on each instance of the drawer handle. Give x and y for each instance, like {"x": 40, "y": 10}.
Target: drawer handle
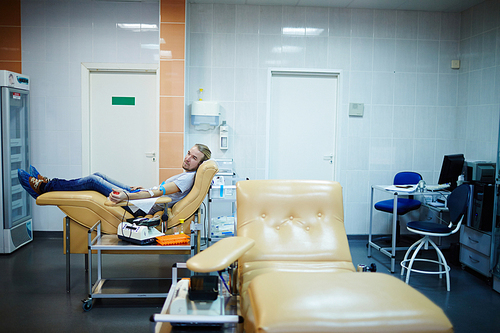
{"x": 473, "y": 240}
{"x": 475, "y": 261}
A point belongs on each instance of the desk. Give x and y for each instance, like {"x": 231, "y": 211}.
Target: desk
{"x": 392, "y": 253}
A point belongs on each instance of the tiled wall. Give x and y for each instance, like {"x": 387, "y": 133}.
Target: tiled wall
{"x": 398, "y": 63}
{"x": 57, "y": 36}
{"x": 479, "y": 79}
{"x": 172, "y": 67}
{"x": 10, "y": 35}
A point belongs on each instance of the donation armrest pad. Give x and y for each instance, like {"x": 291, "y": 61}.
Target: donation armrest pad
{"x": 220, "y": 255}
{"x": 159, "y": 200}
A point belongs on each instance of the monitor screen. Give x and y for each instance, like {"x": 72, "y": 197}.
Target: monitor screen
{"x": 451, "y": 169}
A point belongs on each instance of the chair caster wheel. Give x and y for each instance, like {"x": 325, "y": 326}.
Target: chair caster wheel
{"x": 87, "y": 305}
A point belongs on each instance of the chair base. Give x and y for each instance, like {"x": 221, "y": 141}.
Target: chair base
{"x": 443, "y": 267}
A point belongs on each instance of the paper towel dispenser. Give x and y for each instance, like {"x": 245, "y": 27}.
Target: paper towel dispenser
{"x": 205, "y": 115}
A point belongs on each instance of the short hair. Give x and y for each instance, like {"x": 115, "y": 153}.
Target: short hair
{"x": 207, "y": 154}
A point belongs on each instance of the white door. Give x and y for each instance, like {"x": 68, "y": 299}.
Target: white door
{"x": 302, "y": 125}
{"x": 123, "y": 126}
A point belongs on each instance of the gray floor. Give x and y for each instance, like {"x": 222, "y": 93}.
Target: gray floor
{"x": 33, "y": 291}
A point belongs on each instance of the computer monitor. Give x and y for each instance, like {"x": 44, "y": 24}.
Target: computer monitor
{"x": 450, "y": 170}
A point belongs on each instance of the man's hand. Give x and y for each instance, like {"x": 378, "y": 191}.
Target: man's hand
{"x": 116, "y": 196}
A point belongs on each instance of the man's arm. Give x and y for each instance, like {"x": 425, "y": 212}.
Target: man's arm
{"x": 119, "y": 195}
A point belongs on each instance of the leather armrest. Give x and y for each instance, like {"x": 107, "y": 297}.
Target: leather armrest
{"x": 220, "y": 255}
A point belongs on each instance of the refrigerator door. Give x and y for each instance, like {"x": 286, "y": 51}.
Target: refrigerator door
{"x": 15, "y": 155}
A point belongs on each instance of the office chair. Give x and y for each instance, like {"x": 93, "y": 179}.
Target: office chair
{"x": 405, "y": 205}
{"x": 457, "y": 206}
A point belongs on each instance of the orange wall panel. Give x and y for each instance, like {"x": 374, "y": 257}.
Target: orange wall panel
{"x": 172, "y": 41}
{"x": 171, "y": 78}
{"x": 172, "y": 114}
{"x": 173, "y": 11}
{"x": 172, "y": 68}
{"x": 171, "y": 150}
{"x": 10, "y": 13}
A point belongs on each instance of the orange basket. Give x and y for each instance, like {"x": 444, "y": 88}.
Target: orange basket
{"x": 181, "y": 239}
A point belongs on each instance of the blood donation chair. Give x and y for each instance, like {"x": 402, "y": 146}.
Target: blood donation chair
{"x": 294, "y": 268}
{"x": 84, "y": 208}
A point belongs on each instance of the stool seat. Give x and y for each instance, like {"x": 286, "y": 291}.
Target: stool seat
{"x": 341, "y": 302}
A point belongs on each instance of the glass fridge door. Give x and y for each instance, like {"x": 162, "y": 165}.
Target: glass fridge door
{"x": 15, "y": 155}
{"x": 495, "y": 244}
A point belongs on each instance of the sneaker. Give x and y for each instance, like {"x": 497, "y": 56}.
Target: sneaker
{"x": 31, "y": 184}
{"x": 34, "y": 173}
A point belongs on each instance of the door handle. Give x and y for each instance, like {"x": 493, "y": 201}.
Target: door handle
{"x": 151, "y": 155}
{"x": 328, "y": 158}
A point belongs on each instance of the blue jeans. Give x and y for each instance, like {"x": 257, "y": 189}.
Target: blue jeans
{"x": 96, "y": 182}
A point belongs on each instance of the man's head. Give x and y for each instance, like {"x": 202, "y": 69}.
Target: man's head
{"x": 195, "y": 156}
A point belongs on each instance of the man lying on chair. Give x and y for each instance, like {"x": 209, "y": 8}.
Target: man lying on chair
{"x": 176, "y": 187}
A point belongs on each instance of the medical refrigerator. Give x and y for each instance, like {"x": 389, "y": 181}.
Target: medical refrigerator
{"x": 15, "y": 202}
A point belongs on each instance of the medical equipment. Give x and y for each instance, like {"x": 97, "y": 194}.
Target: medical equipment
{"x": 224, "y": 133}
{"x": 16, "y": 227}
{"x": 140, "y": 231}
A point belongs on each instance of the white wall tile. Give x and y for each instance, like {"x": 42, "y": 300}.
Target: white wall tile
{"x": 406, "y": 55}
{"x": 271, "y": 18}
{"x": 404, "y": 120}
{"x": 247, "y": 19}
{"x": 224, "y": 18}
{"x": 316, "y": 52}
{"x": 80, "y": 44}
{"x": 316, "y": 21}
{"x": 339, "y": 22}
{"x": 294, "y": 21}
{"x": 425, "y": 122}
{"x": 381, "y": 121}
{"x": 448, "y": 51}
{"x": 339, "y": 52}
{"x": 360, "y": 86}
{"x": 448, "y": 90}
{"x": 223, "y": 84}
{"x": 33, "y": 13}
{"x": 384, "y": 24}
{"x": 201, "y": 18}
{"x": 426, "y": 93}
{"x": 223, "y": 50}
{"x": 33, "y": 44}
{"x": 427, "y": 56}
{"x": 383, "y": 88}
{"x": 407, "y": 24}
{"x": 247, "y": 51}
{"x": 384, "y": 54}
{"x": 429, "y": 25}
{"x": 293, "y": 52}
{"x": 200, "y": 49}
{"x": 362, "y": 23}
{"x": 361, "y": 54}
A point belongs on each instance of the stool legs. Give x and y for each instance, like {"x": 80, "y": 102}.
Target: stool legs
{"x": 441, "y": 262}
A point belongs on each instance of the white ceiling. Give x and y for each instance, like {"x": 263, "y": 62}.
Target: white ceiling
{"x": 425, "y": 5}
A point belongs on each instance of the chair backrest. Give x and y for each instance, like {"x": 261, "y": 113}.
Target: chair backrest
{"x": 185, "y": 208}
{"x": 297, "y": 225}
{"x": 457, "y": 203}
{"x": 407, "y": 178}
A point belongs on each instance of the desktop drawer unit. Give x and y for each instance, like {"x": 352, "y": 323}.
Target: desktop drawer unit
{"x": 475, "y": 248}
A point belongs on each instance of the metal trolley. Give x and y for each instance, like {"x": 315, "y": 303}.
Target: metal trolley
{"x": 123, "y": 287}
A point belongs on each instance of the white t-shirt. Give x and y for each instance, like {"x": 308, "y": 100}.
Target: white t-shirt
{"x": 184, "y": 181}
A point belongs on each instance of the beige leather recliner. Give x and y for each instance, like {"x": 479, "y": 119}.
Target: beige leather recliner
{"x": 295, "y": 272}
{"x": 85, "y": 208}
